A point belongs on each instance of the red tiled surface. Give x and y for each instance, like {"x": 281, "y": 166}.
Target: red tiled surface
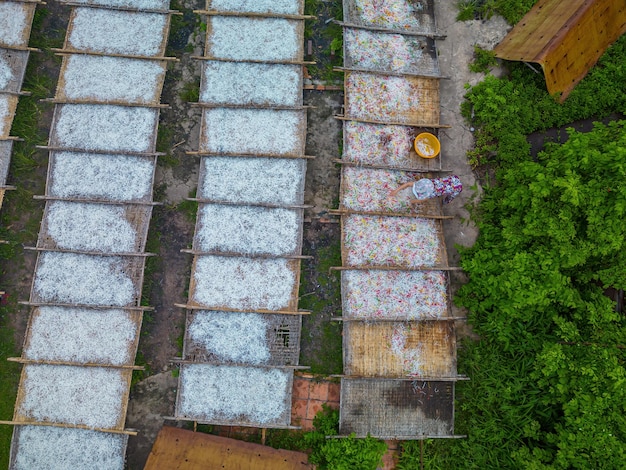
{"x": 300, "y": 388}
{"x": 334, "y": 390}
{"x": 309, "y": 393}
{"x": 315, "y": 406}
{"x": 318, "y": 391}
{"x": 390, "y": 459}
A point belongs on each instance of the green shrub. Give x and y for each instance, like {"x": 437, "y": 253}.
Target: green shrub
{"x": 347, "y": 453}
{"x": 483, "y": 60}
{"x": 548, "y": 373}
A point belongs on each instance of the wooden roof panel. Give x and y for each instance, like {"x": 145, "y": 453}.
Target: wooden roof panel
{"x": 565, "y": 38}
{"x": 186, "y": 450}
{"x": 529, "y": 39}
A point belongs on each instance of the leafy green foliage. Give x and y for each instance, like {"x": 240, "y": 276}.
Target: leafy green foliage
{"x": 191, "y": 92}
{"x": 342, "y": 453}
{"x": 320, "y": 292}
{"x": 9, "y": 377}
{"x": 547, "y": 388}
{"x": 504, "y": 111}
{"x": 467, "y": 10}
{"x": 511, "y": 10}
{"x": 483, "y": 60}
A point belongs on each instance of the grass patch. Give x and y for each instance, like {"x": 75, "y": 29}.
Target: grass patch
{"x": 320, "y": 292}
{"x": 165, "y": 142}
{"x": 9, "y": 379}
{"x": 511, "y": 10}
{"x": 483, "y": 60}
{"x": 191, "y": 92}
{"x": 189, "y": 208}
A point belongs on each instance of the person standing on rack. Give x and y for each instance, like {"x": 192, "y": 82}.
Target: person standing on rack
{"x": 426, "y": 188}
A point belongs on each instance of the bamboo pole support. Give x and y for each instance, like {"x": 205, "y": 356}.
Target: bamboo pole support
{"x": 387, "y": 167}
{"x": 108, "y": 7}
{"x": 180, "y": 360}
{"x": 341, "y": 212}
{"x": 243, "y": 255}
{"x": 402, "y": 32}
{"x": 258, "y": 310}
{"x": 58, "y": 51}
{"x": 109, "y": 102}
{"x": 254, "y": 15}
{"x": 457, "y": 378}
{"x": 397, "y": 319}
{"x": 101, "y": 152}
{"x": 253, "y": 204}
{"x": 287, "y": 62}
{"x": 128, "y": 432}
{"x": 23, "y": 360}
{"x": 44, "y": 197}
{"x": 388, "y": 72}
{"x": 250, "y": 155}
{"x": 97, "y": 307}
{"x": 25, "y": 48}
{"x": 394, "y": 268}
{"x": 197, "y": 104}
{"x": 226, "y": 423}
{"x": 94, "y": 253}
{"x": 394, "y": 123}
{"x": 420, "y": 437}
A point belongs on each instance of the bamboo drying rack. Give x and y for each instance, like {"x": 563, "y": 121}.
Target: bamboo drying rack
{"x": 298, "y": 56}
{"x": 442, "y": 254}
{"x": 279, "y": 423}
{"x": 54, "y": 145}
{"x": 137, "y": 215}
{"x": 67, "y": 47}
{"x": 136, "y": 317}
{"x": 147, "y": 200}
{"x": 367, "y": 351}
{"x": 282, "y": 337}
{"x": 292, "y": 306}
{"x": 133, "y": 265}
{"x": 299, "y": 136}
{"x": 19, "y": 418}
{"x": 28, "y": 11}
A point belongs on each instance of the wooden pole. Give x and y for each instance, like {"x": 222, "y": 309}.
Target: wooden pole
{"x": 387, "y": 72}
{"x": 286, "y": 62}
{"x": 243, "y": 255}
{"x": 22, "y": 360}
{"x": 394, "y": 268}
{"x": 258, "y": 310}
{"x": 397, "y": 319}
{"x": 253, "y": 15}
{"x": 402, "y": 32}
{"x": 96, "y": 201}
{"x": 197, "y": 104}
{"x": 253, "y": 204}
{"x": 102, "y": 54}
{"x": 388, "y": 167}
{"x": 128, "y": 432}
{"x": 103, "y": 152}
{"x": 394, "y": 123}
{"x": 179, "y": 360}
{"x": 97, "y": 307}
{"x": 388, "y": 214}
{"x": 457, "y": 378}
{"x": 94, "y": 253}
{"x": 249, "y": 155}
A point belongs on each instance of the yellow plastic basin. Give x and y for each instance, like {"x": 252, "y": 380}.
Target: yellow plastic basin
{"x": 427, "y": 145}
